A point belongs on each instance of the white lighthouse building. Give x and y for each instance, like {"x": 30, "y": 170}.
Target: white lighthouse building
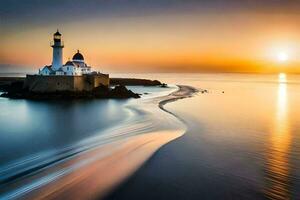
{"x": 74, "y": 67}
{"x": 73, "y": 76}
{"x": 57, "y": 45}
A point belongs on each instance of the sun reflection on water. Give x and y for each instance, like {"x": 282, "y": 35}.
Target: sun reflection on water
{"x": 278, "y": 168}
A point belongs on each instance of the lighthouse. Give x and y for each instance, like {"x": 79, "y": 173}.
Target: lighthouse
{"x": 73, "y": 76}
{"x": 57, "y": 46}
{"x": 75, "y": 67}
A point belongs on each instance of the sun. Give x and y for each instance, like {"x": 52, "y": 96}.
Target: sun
{"x": 282, "y": 56}
{"x": 282, "y": 78}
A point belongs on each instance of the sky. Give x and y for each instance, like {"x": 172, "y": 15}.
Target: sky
{"x": 154, "y": 36}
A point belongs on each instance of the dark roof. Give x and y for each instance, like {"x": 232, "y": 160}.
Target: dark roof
{"x": 57, "y": 33}
{"x": 78, "y": 56}
{"x": 69, "y": 63}
{"x": 49, "y": 67}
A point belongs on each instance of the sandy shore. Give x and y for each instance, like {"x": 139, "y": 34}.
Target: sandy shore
{"x": 93, "y": 174}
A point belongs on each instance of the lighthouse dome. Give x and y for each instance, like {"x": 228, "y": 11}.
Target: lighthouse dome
{"x": 78, "y": 56}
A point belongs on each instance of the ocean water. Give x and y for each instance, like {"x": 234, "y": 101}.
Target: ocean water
{"x": 28, "y": 126}
{"x": 248, "y": 127}
{"x": 242, "y": 142}
{"x": 242, "y": 139}
{"x": 38, "y": 137}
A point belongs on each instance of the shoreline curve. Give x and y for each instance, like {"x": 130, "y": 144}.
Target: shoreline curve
{"x": 109, "y": 165}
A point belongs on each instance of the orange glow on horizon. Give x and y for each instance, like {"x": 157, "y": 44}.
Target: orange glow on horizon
{"x": 180, "y": 43}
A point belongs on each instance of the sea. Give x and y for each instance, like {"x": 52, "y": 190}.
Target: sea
{"x": 241, "y": 139}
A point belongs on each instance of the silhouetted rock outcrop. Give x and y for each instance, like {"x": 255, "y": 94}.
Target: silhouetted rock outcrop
{"x": 15, "y": 90}
{"x": 121, "y": 91}
{"x": 134, "y": 81}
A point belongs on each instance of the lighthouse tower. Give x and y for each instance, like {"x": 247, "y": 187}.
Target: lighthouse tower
{"x": 57, "y": 46}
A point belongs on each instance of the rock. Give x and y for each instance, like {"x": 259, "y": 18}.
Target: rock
{"x": 164, "y": 85}
{"x": 121, "y": 92}
{"x": 15, "y": 86}
{"x": 101, "y": 91}
{"x": 15, "y": 90}
{"x": 134, "y": 81}
{"x": 204, "y": 91}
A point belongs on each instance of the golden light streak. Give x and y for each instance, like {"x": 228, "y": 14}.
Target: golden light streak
{"x": 278, "y": 167}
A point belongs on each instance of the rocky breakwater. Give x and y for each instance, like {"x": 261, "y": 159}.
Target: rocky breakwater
{"x": 12, "y": 87}
{"x": 16, "y": 91}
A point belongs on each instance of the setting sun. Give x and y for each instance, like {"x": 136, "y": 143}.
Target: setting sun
{"x": 282, "y": 56}
{"x": 282, "y": 78}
